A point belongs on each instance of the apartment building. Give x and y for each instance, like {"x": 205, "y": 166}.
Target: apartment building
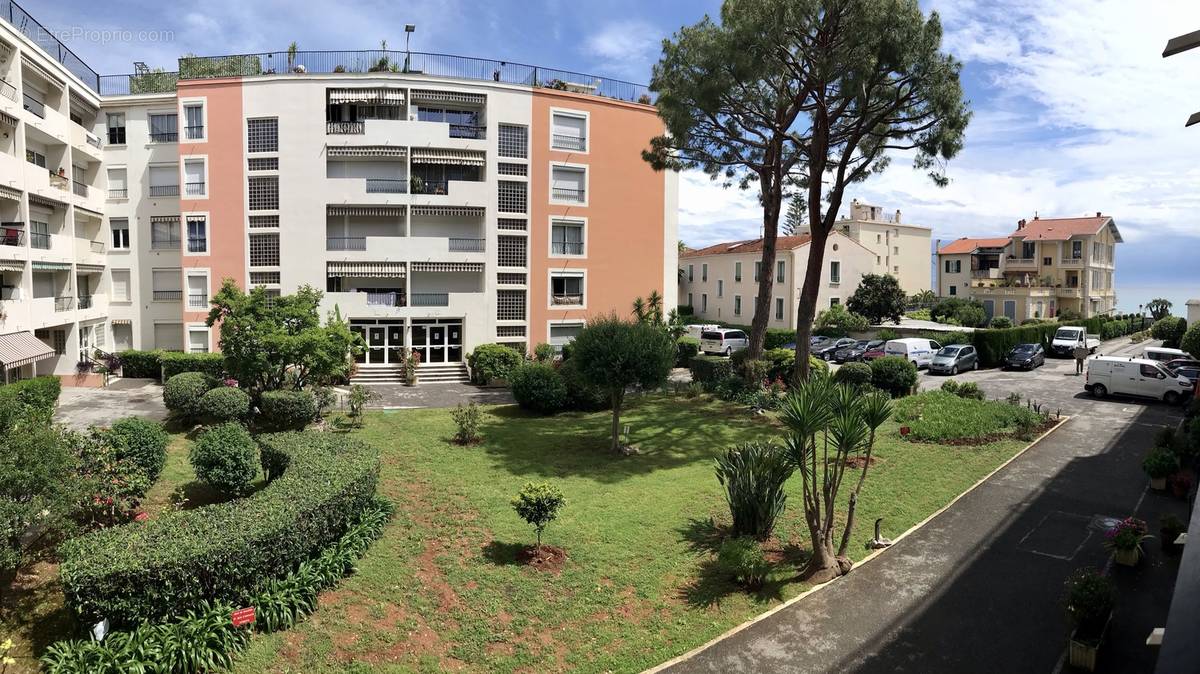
{"x": 903, "y": 250}
{"x": 1046, "y": 266}
{"x": 720, "y": 282}
{"x": 439, "y": 202}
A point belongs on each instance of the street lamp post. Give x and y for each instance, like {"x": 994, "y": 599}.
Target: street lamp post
{"x": 409, "y": 29}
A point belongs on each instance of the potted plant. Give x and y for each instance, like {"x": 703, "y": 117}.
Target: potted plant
{"x": 1125, "y": 541}
{"x": 1181, "y": 483}
{"x": 1169, "y": 529}
{"x": 1089, "y": 602}
{"x": 411, "y": 361}
{"x": 1159, "y": 465}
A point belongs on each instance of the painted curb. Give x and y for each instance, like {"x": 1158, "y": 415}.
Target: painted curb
{"x": 763, "y": 616}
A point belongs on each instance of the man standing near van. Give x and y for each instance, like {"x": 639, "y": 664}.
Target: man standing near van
{"x": 1080, "y": 354}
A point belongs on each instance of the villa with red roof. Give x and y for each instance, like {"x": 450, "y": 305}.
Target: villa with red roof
{"x": 1045, "y": 267}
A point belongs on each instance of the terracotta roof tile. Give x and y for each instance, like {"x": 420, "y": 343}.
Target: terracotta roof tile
{"x": 747, "y": 246}
{"x": 965, "y": 245}
{"x": 1060, "y": 229}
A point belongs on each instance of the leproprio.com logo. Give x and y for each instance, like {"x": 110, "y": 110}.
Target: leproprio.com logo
{"x": 109, "y": 36}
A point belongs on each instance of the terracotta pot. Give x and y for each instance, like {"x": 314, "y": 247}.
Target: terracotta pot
{"x": 905, "y": 430}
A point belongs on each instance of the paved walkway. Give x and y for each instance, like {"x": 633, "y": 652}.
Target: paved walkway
{"x": 978, "y": 588}
{"x": 79, "y": 408}
{"x": 437, "y": 395}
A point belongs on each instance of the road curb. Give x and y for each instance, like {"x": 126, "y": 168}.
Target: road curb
{"x": 876, "y": 553}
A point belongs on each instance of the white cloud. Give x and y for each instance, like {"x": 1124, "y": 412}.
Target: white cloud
{"x": 626, "y": 48}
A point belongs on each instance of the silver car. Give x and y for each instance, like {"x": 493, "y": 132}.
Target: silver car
{"x": 955, "y": 358}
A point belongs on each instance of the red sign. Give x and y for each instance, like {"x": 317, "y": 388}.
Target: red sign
{"x": 243, "y": 616}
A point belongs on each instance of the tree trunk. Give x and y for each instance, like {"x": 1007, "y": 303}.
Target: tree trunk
{"x": 617, "y": 397}
{"x": 823, "y": 565}
{"x": 772, "y": 197}
{"x": 806, "y": 311}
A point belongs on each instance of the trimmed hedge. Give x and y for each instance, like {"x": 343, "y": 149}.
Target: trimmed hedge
{"x": 32, "y": 399}
{"x": 160, "y": 568}
{"x": 141, "y": 364}
{"x": 226, "y": 458}
{"x": 895, "y": 375}
{"x": 855, "y": 375}
{"x": 182, "y": 393}
{"x": 212, "y": 364}
{"x": 288, "y": 410}
{"x": 709, "y": 370}
{"x": 143, "y": 442}
{"x": 493, "y": 361}
{"x": 687, "y": 348}
{"x": 223, "y": 403}
{"x": 539, "y": 387}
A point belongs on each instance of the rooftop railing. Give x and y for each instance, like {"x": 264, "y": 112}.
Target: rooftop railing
{"x": 154, "y": 82}
{"x": 44, "y": 38}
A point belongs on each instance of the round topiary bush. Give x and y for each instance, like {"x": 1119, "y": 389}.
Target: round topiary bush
{"x": 143, "y": 442}
{"x": 893, "y": 374}
{"x": 580, "y": 395}
{"x": 854, "y": 375}
{"x": 538, "y": 387}
{"x": 226, "y": 458}
{"x": 1000, "y": 322}
{"x": 288, "y": 410}
{"x": 224, "y": 403}
{"x": 182, "y": 393}
{"x": 493, "y": 361}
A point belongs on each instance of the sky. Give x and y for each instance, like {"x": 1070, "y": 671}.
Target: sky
{"x": 1074, "y": 109}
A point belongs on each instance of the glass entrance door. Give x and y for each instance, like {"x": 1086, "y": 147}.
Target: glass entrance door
{"x": 395, "y": 344}
{"x": 376, "y": 343}
{"x": 438, "y": 341}
{"x": 437, "y": 344}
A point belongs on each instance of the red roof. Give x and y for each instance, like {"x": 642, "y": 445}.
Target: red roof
{"x": 747, "y": 246}
{"x": 965, "y": 245}
{"x": 1061, "y": 229}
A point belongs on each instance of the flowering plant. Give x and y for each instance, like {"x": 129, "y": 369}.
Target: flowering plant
{"x": 230, "y": 382}
{"x": 1128, "y": 534}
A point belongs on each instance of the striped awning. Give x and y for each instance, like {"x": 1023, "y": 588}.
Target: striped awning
{"x": 366, "y": 269}
{"x": 431, "y": 96}
{"x": 366, "y": 151}
{"x": 7, "y": 192}
{"x": 46, "y": 201}
{"x": 380, "y": 211}
{"x": 8, "y": 120}
{"x": 22, "y": 348}
{"x": 367, "y": 96}
{"x": 12, "y": 265}
{"x": 89, "y": 268}
{"x": 453, "y": 211}
{"x": 51, "y": 266}
{"x": 51, "y": 79}
{"x": 447, "y": 266}
{"x": 121, "y": 321}
{"x": 429, "y": 155}
{"x": 164, "y": 218}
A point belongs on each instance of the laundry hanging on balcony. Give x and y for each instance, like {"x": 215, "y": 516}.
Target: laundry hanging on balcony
{"x": 426, "y": 155}
{"x": 369, "y": 211}
{"x": 429, "y": 96}
{"x": 448, "y": 266}
{"x": 347, "y": 269}
{"x": 366, "y": 96}
{"x": 393, "y": 151}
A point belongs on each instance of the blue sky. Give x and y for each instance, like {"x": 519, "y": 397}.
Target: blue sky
{"x": 1074, "y": 109}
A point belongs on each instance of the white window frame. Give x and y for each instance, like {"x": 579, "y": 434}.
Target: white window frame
{"x": 587, "y": 180}
{"x": 570, "y": 271}
{"x": 565, "y": 220}
{"x": 835, "y": 281}
{"x": 128, "y": 236}
{"x": 188, "y": 274}
{"x": 183, "y": 233}
{"x": 184, "y": 104}
{"x": 587, "y": 129}
{"x": 571, "y": 322}
{"x": 150, "y": 127}
{"x": 183, "y": 160}
{"x": 190, "y": 328}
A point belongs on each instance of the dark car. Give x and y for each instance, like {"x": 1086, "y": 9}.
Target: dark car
{"x": 813, "y": 342}
{"x": 855, "y": 352}
{"x": 874, "y": 352}
{"x": 1025, "y": 356}
{"x": 1191, "y": 372}
{"x": 825, "y": 350}
{"x": 1173, "y": 365}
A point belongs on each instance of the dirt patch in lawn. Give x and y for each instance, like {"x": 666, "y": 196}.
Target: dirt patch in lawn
{"x": 548, "y": 558}
{"x": 858, "y": 461}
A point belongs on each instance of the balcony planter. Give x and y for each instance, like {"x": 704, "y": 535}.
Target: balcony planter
{"x": 1084, "y": 650}
{"x": 1089, "y": 600}
{"x": 1125, "y": 541}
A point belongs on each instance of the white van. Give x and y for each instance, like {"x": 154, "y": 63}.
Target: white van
{"x": 723, "y": 341}
{"x": 1136, "y": 377}
{"x": 695, "y": 330}
{"x": 917, "y": 350}
{"x": 1163, "y": 354}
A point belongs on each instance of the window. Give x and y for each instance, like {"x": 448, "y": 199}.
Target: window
{"x": 116, "y": 128}
{"x": 691, "y": 273}
{"x": 164, "y": 181}
{"x": 263, "y": 221}
{"x": 197, "y": 230}
{"x": 164, "y": 127}
{"x": 703, "y": 303}
{"x": 120, "y": 285}
{"x": 757, "y": 270}
{"x": 168, "y": 336}
{"x": 167, "y": 285}
{"x": 1076, "y": 250}
{"x": 878, "y": 238}
{"x": 704, "y": 273}
{"x": 566, "y": 289}
{"x": 193, "y": 177}
{"x": 511, "y": 251}
{"x": 264, "y": 193}
{"x": 197, "y": 340}
{"x": 895, "y": 250}
{"x": 36, "y": 158}
{"x": 264, "y": 250}
{"x": 953, "y": 266}
{"x": 511, "y": 224}
{"x": 720, "y": 288}
{"x": 953, "y": 291}
{"x": 1151, "y": 371}
{"x": 737, "y": 272}
{"x": 193, "y": 120}
{"x": 566, "y": 238}
{"x": 835, "y": 271}
{"x": 513, "y": 141}
{"x": 262, "y": 135}
{"x": 1028, "y": 250}
{"x": 896, "y": 269}
{"x": 690, "y": 304}
{"x": 60, "y": 342}
{"x": 737, "y": 305}
{"x": 164, "y": 233}
{"x": 512, "y": 196}
{"x": 561, "y": 335}
{"x": 567, "y": 184}
{"x": 834, "y": 301}
{"x": 197, "y": 291}
{"x": 463, "y": 123}
{"x": 39, "y": 233}
{"x": 120, "y": 233}
{"x": 779, "y": 272}
{"x": 779, "y": 308}
{"x": 118, "y": 187}
{"x": 568, "y": 131}
{"x": 260, "y": 278}
{"x": 506, "y": 168}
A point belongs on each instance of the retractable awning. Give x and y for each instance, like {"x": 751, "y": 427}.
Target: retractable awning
{"x": 7, "y": 192}
{"x": 447, "y": 266}
{"x": 22, "y": 348}
{"x": 393, "y": 151}
{"x": 50, "y": 266}
{"x": 89, "y": 268}
{"x": 451, "y": 157}
{"x": 366, "y": 269}
{"x": 430, "y": 96}
{"x": 164, "y": 218}
{"x": 81, "y": 102}
{"x": 367, "y": 96}
{"x": 12, "y": 265}
{"x": 46, "y": 201}
{"x": 121, "y": 321}
{"x": 89, "y": 212}
{"x": 379, "y": 211}
{"x": 452, "y": 211}
{"x": 45, "y": 74}
{"x": 8, "y": 120}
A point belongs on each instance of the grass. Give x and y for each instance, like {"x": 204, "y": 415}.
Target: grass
{"x": 938, "y": 416}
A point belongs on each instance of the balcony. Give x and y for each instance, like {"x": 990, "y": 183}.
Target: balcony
{"x": 8, "y": 91}
{"x": 194, "y": 132}
{"x": 567, "y": 299}
{"x": 197, "y": 300}
{"x": 1021, "y": 264}
{"x": 194, "y": 189}
{"x": 164, "y": 137}
{"x": 164, "y": 244}
{"x": 1071, "y": 262}
{"x": 121, "y": 193}
{"x": 64, "y": 303}
{"x": 168, "y": 295}
{"x": 197, "y": 244}
{"x": 561, "y": 142}
{"x": 12, "y": 234}
{"x": 1016, "y": 291}
{"x": 59, "y": 182}
{"x": 431, "y": 299}
{"x": 79, "y": 188}
{"x": 387, "y": 186}
{"x": 33, "y": 105}
{"x": 85, "y": 302}
{"x": 1069, "y": 292}
{"x": 576, "y": 248}
{"x": 164, "y": 190}
{"x": 345, "y": 243}
{"x": 40, "y": 240}
{"x": 567, "y": 195}
{"x": 463, "y": 245}
{"x": 468, "y": 131}
{"x": 421, "y": 186}
{"x": 345, "y": 128}
{"x": 983, "y": 274}
{"x": 391, "y": 299}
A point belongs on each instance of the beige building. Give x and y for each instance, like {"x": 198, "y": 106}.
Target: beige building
{"x": 1046, "y": 266}
{"x": 899, "y": 249}
{"x": 720, "y": 282}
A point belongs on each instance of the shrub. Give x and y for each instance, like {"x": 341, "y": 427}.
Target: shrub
{"x": 182, "y": 393}
{"x": 709, "y": 370}
{"x": 466, "y": 418}
{"x": 999, "y": 322}
{"x": 938, "y": 416}
{"x": 109, "y": 487}
{"x": 1170, "y": 330}
{"x": 143, "y": 442}
{"x": 141, "y": 364}
{"x": 324, "y": 397}
{"x": 994, "y": 345}
{"x": 893, "y": 374}
{"x": 1191, "y": 340}
{"x": 837, "y": 316}
{"x": 947, "y": 307}
{"x": 753, "y": 476}
{"x": 1089, "y": 600}
{"x": 688, "y": 348}
{"x": 538, "y": 387}
{"x": 212, "y": 364}
{"x": 223, "y": 403}
{"x": 543, "y": 353}
{"x": 582, "y": 396}
{"x": 886, "y": 334}
{"x": 164, "y": 566}
{"x": 357, "y": 401}
{"x": 743, "y": 559}
{"x": 288, "y": 410}
{"x": 538, "y": 504}
{"x": 1160, "y": 463}
{"x": 30, "y": 401}
{"x": 967, "y": 389}
{"x": 492, "y": 361}
{"x": 226, "y": 458}
{"x": 854, "y": 375}
{"x": 970, "y": 316}
{"x": 33, "y": 461}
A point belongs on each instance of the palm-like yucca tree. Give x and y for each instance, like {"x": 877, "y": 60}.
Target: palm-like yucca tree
{"x": 875, "y": 408}
{"x": 639, "y": 310}
{"x": 753, "y": 476}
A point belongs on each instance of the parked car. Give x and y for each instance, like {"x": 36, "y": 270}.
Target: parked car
{"x": 855, "y": 352}
{"x": 1025, "y": 356}
{"x": 1164, "y": 355}
{"x": 954, "y": 358}
{"x": 813, "y": 342}
{"x": 1189, "y": 372}
{"x": 723, "y": 341}
{"x": 918, "y": 350}
{"x": 1136, "y": 377}
{"x": 1066, "y": 339}
{"x": 1181, "y": 362}
{"x": 695, "y": 330}
{"x": 874, "y": 352}
{"x": 825, "y": 350}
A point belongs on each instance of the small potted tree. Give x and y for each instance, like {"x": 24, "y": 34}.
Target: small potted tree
{"x": 1125, "y": 541}
{"x": 1089, "y": 602}
{"x": 1159, "y": 465}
